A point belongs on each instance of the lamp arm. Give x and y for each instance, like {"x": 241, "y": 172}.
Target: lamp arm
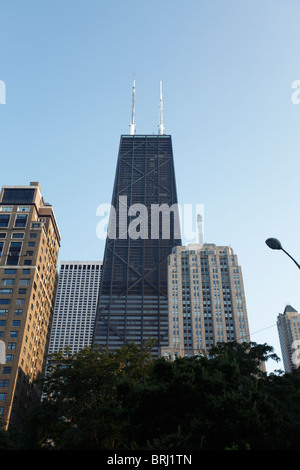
{"x": 291, "y": 257}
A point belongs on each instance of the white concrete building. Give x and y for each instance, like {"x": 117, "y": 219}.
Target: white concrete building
{"x": 75, "y": 305}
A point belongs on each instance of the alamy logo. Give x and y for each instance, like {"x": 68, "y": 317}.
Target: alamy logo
{"x": 296, "y": 94}
{"x": 2, "y": 352}
{"x": 157, "y": 222}
{"x": 296, "y": 353}
{"x": 2, "y": 92}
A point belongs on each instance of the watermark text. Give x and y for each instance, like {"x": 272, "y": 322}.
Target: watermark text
{"x": 159, "y": 221}
{"x": 2, "y": 92}
{"x": 296, "y": 353}
{"x": 2, "y": 352}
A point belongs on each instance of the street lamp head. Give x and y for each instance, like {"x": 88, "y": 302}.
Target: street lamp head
{"x": 274, "y": 244}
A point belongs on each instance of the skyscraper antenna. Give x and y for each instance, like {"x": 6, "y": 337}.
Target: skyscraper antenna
{"x": 132, "y": 124}
{"x": 161, "y": 125}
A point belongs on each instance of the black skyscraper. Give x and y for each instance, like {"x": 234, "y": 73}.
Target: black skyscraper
{"x": 133, "y": 303}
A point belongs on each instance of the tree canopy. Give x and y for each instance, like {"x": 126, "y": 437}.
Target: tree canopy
{"x": 128, "y": 400}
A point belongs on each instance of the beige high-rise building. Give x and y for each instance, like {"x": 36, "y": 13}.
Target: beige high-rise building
{"x": 206, "y": 299}
{"x": 288, "y": 324}
{"x": 29, "y": 245}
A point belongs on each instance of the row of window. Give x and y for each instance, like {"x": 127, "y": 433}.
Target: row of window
{"x": 19, "y": 209}
{"x": 4, "y": 311}
{"x": 12, "y": 334}
{"x": 7, "y": 301}
{"x": 80, "y": 266}
{"x": 13, "y": 254}
{"x": 12, "y": 271}
{"x": 14, "y": 323}
{"x": 10, "y": 291}
{"x": 18, "y": 235}
{"x": 11, "y": 282}
{"x": 20, "y": 220}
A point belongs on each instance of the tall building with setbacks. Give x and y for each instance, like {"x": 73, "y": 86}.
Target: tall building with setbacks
{"x": 29, "y": 245}
{"x": 207, "y": 302}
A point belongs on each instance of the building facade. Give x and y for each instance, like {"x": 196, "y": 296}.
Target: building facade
{"x": 29, "y": 246}
{"x": 206, "y": 299}
{"x": 75, "y": 305}
{"x": 288, "y": 325}
{"x": 143, "y": 229}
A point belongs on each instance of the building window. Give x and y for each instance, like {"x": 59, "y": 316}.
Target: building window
{"x": 10, "y": 271}
{"x": 8, "y": 282}
{"x": 14, "y": 252}
{"x": 18, "y": 235}
{"x": 21, "y": 220}
{"x": 5, "y": 291}
{"x": 5, "y": 301}
{"x": 6, "y": 370}
{"x": 2, "y": 396}
{"x": 4, "y": 220}
{"x": 4, "y": 383}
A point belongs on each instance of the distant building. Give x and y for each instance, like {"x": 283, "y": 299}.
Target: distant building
{"x": 206, "y": 299}
{"x": 29, "y": 245}
{"x": 288, "y": 324}
{"x": 75, "y": 305}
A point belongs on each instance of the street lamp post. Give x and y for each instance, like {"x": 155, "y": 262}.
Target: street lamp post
{"x": 275, "y": 244}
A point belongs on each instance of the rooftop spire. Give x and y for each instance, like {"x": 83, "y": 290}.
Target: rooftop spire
{"x": 132, "y": 124}
{"x": 161, "y": 125}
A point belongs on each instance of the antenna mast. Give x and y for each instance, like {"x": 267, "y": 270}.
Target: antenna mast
{"x": 161, "y": 125}
{"x": 132, "y": 124}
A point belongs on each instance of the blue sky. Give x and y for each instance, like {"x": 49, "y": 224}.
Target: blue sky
{"x": 227, "y": 70}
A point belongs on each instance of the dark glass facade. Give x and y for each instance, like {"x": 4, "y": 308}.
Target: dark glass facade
{"x": 17, "y": 196}
{"x": 133, "y": 302}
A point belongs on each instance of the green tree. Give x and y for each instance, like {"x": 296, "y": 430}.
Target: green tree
{"x": 208, "y": 402}
{"x": 125, "y": 399}
{"x": 82, "y": 407}
{"x": 6, "y": 439}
